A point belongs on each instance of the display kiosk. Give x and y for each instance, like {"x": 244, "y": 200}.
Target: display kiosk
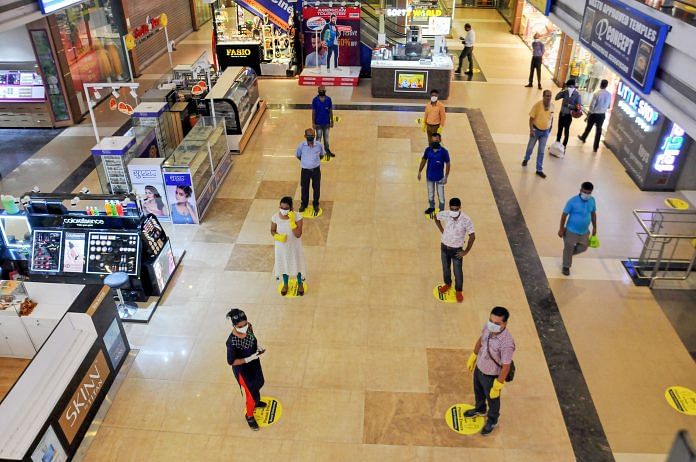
{"x": 111, "y": 156}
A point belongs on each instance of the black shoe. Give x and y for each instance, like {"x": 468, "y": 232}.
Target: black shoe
{"x": 458, "y": 71}
{"x": 331, "y": 154}
{"x": 524, "y": 163}
{"x": 528, "y": 86}
{"x": 302, "y": 209}
{"x": 252, "y": 423}
{"x": 429, "y": 210}
{"x": 474, "y": 413}
{"x": 261, "y": 405}
{"x": 566, "y": 271}
{"x": 488, "y": 428}
{"x": 581, "y": 138}
{"x": 469, "y": 72}
{"x": 539, "y": 86}
{"x": 316, "y": 210}
{"x": 541, "y": 174}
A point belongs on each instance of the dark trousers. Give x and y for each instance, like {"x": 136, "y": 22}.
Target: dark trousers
{"x": 564, "y": 121}
{"x": 536, "y": 64}
{"x": 598, "y": 120}
{"x": 449, "y": 260}
{"x": 333, "y": 50}
{"x": 313, "y": 175}
{"x": 482, "y": 389}
{"x": 467, "y": 53}
{"x": 430, "y": 130}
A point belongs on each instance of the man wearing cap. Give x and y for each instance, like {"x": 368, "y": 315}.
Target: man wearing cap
{"x": 243, "y": 353}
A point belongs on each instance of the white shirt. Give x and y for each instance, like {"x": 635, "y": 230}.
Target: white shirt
{"x": 455, "y": 230}
{"x": 470, "y": 38}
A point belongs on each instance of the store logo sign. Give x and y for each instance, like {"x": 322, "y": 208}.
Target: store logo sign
{"x": 633, "y": 105}
{"x": 415, "y": 12}
{"x": 83, "y": 222}
{"x": 238, "y": 52}
{"x": 84, "y": 397}
{"x": 316, "y": 23}
{"x": 144, "y": 174}
{"x": 671, "y": 147}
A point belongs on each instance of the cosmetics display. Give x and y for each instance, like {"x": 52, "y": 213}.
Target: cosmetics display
{"x": 113, "y": 252}
{"x": 153, "y": 236}
{"x": 46, "y": 251}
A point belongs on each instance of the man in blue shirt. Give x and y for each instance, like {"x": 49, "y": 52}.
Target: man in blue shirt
{"x": 309, "y": 153}
{"x": 322, "y": 118}
{"x": 329, "y": 37}
{"x": 577, "y": 215}
{"x": 438, "y": 161}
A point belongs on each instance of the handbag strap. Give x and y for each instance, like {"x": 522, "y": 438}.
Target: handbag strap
{"x": 488, "y": 348}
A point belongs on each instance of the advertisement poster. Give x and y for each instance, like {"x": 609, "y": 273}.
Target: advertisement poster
{"x": 148, "y": 183}
{"x": 628, "y": 40}
{"x": 164, "y": 266}
{"x": 181, "y": 198}
{"x": 74, "y": 252}
{"x": 410, "y": 81}
{"x": 49, "y": 448}
{"x": 348, "y": 25}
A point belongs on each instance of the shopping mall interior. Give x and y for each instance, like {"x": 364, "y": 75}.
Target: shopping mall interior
{"x": 150, "y": 154}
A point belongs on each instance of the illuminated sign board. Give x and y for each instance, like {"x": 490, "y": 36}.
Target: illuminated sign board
{"x": 415, "y": 12}
{"x": 634, "y": 106}
{"x": 671, "y": 148}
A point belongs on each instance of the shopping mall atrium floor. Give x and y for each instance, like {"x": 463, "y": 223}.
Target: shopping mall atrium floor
{"x": 368, "y": 361}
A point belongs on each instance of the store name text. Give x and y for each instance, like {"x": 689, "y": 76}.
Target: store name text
{"x": 670, "y": 149}
{"x": 617, "y": 15}
{"x": 632, "y": 103}
{"x": 418, "y": 12}
{"x": 238, "y": 52}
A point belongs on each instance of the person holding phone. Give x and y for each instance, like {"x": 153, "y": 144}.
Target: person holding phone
{"x": 243, "y": 352}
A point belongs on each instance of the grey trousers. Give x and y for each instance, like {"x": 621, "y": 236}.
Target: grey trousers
{"x": 574, "y": 244}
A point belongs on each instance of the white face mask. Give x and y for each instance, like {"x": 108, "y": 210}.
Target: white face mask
{"x": 242, "y": 330}
{"x": 493, "y": 328}
{"x": 433, "y": 99}
{"x": 585, "y": 196}
{"x": 284, "y": 212}
{"x": 454, "y": 214}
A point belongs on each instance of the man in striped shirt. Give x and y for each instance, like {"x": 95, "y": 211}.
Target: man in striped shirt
{"x": 490, "y": 362}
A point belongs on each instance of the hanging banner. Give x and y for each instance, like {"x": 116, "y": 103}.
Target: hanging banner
{"x": 279, "y": 11}
{"x": 315, "y": 20}
{"x": 630, "y": 41}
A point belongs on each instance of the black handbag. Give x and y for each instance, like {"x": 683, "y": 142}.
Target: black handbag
{"x": 511, "y": 375}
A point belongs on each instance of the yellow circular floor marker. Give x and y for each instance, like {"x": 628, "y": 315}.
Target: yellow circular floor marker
{"x": 270, "y": 414}
{"x": 676, "y": 203}
{"x": 325, "y": 159}
{"x": 419, "y": 121}
{"x": 448, "y": 297}
{"x": 337, "y": 119}
{"x": 292, "y": 288}
{"x": 431, "y": 216}
{"x": 457, "y": 422}
{"x": 681, "y": 399}
{"x": 309, "y": 213}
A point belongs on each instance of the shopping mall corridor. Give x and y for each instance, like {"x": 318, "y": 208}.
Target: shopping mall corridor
{"x": 368, "y": 361}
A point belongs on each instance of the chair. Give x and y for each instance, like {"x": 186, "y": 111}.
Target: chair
{"x": 118, "y": 281}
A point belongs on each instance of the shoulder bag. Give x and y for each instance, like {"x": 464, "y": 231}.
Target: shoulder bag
{"x": 511, "y": 375}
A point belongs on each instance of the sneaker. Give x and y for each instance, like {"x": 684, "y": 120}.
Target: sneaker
{"x": 581, "y": 138}
{"x": 460, "y": 296}
{"x": 528, "y": 86}
{"x": 524, "y": 163}
{"x": 471, "y": 413}
{"x": 566, "y": 271}
{"x": 261, "y": 405}
{"x": 252, "y": 423}
{"x": 541, "y": 174}
{"x": 429, "y": 210}
{"x": 444, "y": 288}
{"x": 488, "y": 428}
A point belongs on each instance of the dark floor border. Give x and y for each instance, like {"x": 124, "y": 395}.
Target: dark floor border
{"x": 370, "y": 107}
{"x": 585, "y": 430}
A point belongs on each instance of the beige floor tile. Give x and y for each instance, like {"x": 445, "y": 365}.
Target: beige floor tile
{"x": 120, "y": 444}
{"x": 386, "y": 371}
{"x": 140, "y": 404}
{"x": 337, "y": 368}
{"x": 162, "y": 358}
{"x": 319, "y": 420}
{"x": 198, "y": 407}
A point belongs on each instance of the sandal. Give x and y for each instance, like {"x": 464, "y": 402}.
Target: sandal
{"x": 284, "y": 290}
{"x": 300, "y": 290}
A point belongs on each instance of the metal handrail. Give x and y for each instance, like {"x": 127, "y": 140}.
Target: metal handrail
{"x": 642, "y": 223}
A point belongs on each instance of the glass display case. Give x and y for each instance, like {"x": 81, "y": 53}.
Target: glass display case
{"x": 12, "y": 294}
{"x": 153, "y": 114}
{"x": 112, "y": 155}
{"x": 196, "y": 169}
{"x": 235, "y": 98}
{"x": 16, "y": 231}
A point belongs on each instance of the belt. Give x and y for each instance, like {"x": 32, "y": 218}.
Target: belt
{"x": 539, "y": 129}
{"x": 450, "y": 248}
{"x": 314, "y": 168}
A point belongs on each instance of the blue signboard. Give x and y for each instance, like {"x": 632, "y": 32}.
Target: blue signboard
{"x": 629, "y": 41}
{"x": 51, "y": 6}
{"x": 279, "y": 12}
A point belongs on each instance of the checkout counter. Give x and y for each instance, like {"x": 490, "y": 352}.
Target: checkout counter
{"x": 412, "y": 70}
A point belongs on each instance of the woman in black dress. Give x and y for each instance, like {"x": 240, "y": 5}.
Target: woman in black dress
{"x": 243, "y": 353}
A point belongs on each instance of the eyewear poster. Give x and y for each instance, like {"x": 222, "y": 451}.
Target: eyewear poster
{"x": 181, "y": 198}
{"x": 317, "y": 19}
{"x": 74, "y": 253}
{"x": 626, "y": 39}
{"x": 49, "y": 448}
{"x": 410, "y": 81}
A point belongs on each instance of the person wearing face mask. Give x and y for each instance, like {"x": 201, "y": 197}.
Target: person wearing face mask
{"x": 491, "y": 362}
{"x": 434, "y": 117}
{"x": 243, "y": 352}
{"x": 572, "y": 101}
{"x": 322, "y": 118}
{"x": 455, "y": 227}
{"x": 537, "y": 58}
{"x": 540, "y": 122}
{"x": 309, "y": 154}
{"x": 577, "y": 215}
{"x": 438, "y": 161}
{"x": 286, "y": 229}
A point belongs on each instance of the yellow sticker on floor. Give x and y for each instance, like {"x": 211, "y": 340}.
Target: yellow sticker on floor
{"x": 682, "y": 399}
{"x": 448, "y": 297}
{"x": 325, "y": 159}
{"x": 292, "y": 288}
{"x": 419, "y": 121}
{"x": 270, "y": 414}
{"x": 336, "y": 119}
{"x": 458, "y": 422}
{"x": 309, "y": 212}
{"x": 676, "y": 203}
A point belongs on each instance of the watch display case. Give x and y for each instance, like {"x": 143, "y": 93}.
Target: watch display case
{"x": 112, "y": 155}
{"x": 21, "y": 85}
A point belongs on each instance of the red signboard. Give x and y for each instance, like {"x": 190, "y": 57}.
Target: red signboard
{"x": 348, "y": 25}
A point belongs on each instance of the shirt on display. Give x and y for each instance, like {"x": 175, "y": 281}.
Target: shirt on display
{"x": 455, "y": 229}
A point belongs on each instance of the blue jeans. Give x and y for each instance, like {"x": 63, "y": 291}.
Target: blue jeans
{"x": 541, "y": 136}
{"x": 440, "y": 187}
{"x": 333, "y": 50}
{"x": 323, "y": 134}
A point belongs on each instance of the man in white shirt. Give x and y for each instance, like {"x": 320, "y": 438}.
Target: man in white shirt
{"x": 601, "y": 101}
{"x": 468, "y": 50}
{"x": 457, "y": 226}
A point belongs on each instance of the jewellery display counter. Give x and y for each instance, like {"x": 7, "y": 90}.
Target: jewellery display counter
{"x": 151, "y": 114}
{"x": 196, "y": 169}
{"x": 111, "y": 156}
{"x": 77, "y": 346}
{"x": 235, "y": 97}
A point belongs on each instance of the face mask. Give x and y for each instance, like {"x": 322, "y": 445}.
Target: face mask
{"x": 585, "y": 196}
{"x": 284, "y": 212}
{"x": 454, "y": 214}
{"x": 493, "y": 328}
{"x": 242, "y": 330}
{"x": 435, "y": 145}
{"x": 322, "y": 93}
{"x": 433, "y": 98}
{"x": 310, "y": 138}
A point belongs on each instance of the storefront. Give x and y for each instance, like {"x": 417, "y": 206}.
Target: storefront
{"x": 507, "y": 9}
{"x": 200, "y": 13}
{"x": 535, "y": 22}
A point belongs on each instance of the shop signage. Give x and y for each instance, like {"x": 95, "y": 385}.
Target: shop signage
{"x": 670, "y": 149}
{"x": 51, "y": 6}
{"x": 348, "y": 25}
{"x": 239, "y": 54}
{"x": 279, "y": 12}
{"x": 82, "y": 222}
{"x": 146, "y": 30}
{"x": 84, "y": 397}
{"x": 634, "y": 106}
{"x": 542, "y": 5}
{"x": 182, "y": 198}
{"x": 628, "y": 40}
{"x": 415, "y": 12}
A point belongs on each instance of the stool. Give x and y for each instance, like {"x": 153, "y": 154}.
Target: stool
{"x": 118, "y": 281}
